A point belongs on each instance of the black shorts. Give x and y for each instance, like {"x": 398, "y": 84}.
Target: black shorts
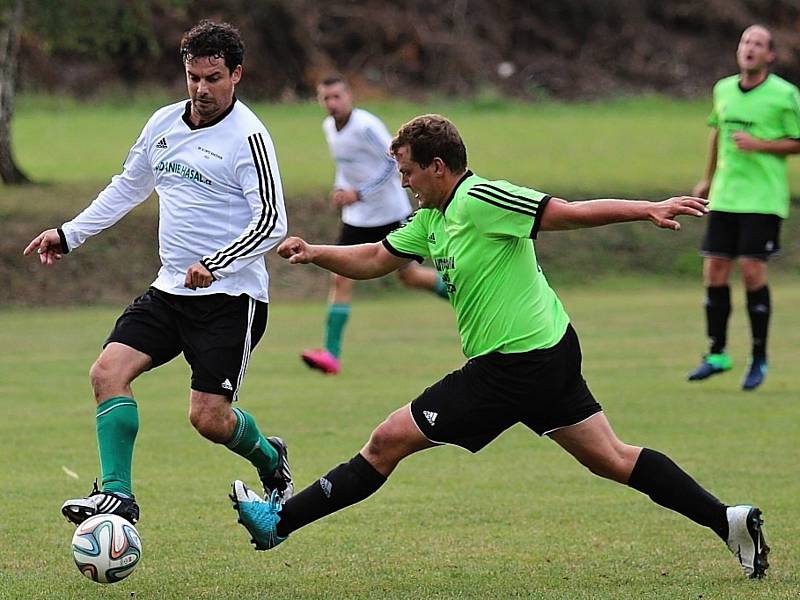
{"x": 216, "y": 334}
{"x": 543, "y": 389}
{"x": 351, "y": 235}
{"x": 749, "y": 235}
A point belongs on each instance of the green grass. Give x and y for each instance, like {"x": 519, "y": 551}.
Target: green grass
{"x": 520, "y": 519}
{"x": 623, "y": 147}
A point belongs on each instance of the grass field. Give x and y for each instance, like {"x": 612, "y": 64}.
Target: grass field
{"x": 520, "y": 519}
{"x": 627, "y": 146}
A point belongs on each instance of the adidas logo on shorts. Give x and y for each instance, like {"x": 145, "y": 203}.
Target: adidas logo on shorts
{"x": 326, "y": 486}
{"x": 431, "y": 416}
{"x": 226, "y": 385}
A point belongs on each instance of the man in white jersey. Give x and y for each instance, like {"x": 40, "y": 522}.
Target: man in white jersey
{"x": 213, "y": 165}
{"x": 373, "y": 203}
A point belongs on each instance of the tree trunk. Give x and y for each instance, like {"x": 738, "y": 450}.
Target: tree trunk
{"x": 10, "y": 23}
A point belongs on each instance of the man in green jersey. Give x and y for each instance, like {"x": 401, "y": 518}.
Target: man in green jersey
{"x": 756, "y": 124}
{"x": 524, "y": 359}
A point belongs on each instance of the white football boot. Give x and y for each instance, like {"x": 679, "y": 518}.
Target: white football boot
{"x": 746, "y": 539}
{"x": 78, "y": 510}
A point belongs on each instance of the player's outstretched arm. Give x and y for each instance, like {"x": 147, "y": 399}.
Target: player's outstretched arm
{"x": 47, "y": 245}
{"x": 363, "y": 261}
{"x": 560, "y": 214}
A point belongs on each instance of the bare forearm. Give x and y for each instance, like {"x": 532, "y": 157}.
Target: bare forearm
{"x": 560, "y": 214}
{"x": 711, "y": 166}
{"x": 595, "y": 213}
{"x": 353, "y": 262}
{"x": 782, "y": 147}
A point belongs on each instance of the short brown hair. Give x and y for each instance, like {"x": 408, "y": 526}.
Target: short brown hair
{"x": 333, "y": 80}
{"x": 431, "y": 136}
{"x": 213, "y": 40}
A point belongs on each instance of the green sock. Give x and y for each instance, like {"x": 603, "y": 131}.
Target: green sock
{"x": 334, "y": 327}
{"x": 248, "y": 442}
{"x": 117, "y": 425}
{"x": 440, "y": 289}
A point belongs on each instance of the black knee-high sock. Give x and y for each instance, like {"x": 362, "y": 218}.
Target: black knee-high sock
{"x": 346, "y": 484}
{"x": 718, "y": 309}
{"x": 759, "y": 309}
{"x": 668, "y": 485}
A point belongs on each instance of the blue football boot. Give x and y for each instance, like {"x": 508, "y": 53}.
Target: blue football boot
{"x": 756, "y": 372}
{"x": 711, "y": 365}
{"x": 260, "y": 517}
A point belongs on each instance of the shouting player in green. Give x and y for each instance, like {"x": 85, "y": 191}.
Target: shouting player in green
{"x": 756, "y": 124}
{"x": 524, "y": 359}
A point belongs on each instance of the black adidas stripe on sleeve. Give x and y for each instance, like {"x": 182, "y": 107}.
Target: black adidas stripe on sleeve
{"x": 517, "y": 207}
{"x": 499, "y": 192}
{"x": 396, "y": 252}
{"x": 269, "y": 212}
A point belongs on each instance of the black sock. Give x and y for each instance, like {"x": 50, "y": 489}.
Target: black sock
{"x": 718, "y": 309}
{"x": 346, "y": 484}
{"x": 668, "y": 485}
{"x": 759, "y": 309}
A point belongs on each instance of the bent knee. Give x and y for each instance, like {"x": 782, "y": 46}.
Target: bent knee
{"x": 196, "y": 419}
{"x": 205, "y": 425}
{"x": 210, "y": 425}
{"x": 606, "y": 469}
{"x": 616, "y": 465}
{"x": 103, "y": 376}
{"x": 384, "y": 439}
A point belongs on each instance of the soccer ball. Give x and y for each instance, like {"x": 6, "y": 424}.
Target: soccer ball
{"x": 106, "y": 548}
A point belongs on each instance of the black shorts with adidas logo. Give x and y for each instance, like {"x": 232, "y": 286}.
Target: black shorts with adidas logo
{"x": 542, "y": 389}
{"x": 216, "y": 334}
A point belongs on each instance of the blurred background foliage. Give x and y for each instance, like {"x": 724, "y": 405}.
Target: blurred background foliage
{"x": 528, "y": 49}
{"x": 636, "y": 76}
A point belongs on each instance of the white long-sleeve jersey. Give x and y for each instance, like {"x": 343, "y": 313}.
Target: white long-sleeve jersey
{"x": 220, "y": 199}
{"x": 363, "y": 163}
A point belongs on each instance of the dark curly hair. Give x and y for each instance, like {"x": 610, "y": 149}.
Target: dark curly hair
{"x": 213, "y": 40}
{"x": 429, "y": 136}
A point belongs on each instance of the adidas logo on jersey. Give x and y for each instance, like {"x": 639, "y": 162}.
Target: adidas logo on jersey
{"x": 226, "y": 385}
{"x": 432, "y": 238}
{"x": 326, "y": 486}
{"x": 431, "y": 416}
{"x": 162, "y": 143}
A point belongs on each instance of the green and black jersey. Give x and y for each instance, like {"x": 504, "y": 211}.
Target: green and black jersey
{"x": 481, "y": 243}
{"x": 753, "y": 182}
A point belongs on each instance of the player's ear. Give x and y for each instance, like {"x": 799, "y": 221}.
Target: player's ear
{"x": 236, "y": 75}
{"x": 771, "y": 56}
{"x": 438, "y": 166}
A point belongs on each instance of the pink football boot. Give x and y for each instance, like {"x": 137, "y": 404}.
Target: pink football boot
{"x": 323, "y": 360}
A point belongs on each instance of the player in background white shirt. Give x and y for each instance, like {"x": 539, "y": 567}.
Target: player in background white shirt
{"x": 373, "y": 203}
{"x": 213, "y": 166}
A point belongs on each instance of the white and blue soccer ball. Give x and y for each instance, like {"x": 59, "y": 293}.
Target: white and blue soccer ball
{"x": 106, "y": 548}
